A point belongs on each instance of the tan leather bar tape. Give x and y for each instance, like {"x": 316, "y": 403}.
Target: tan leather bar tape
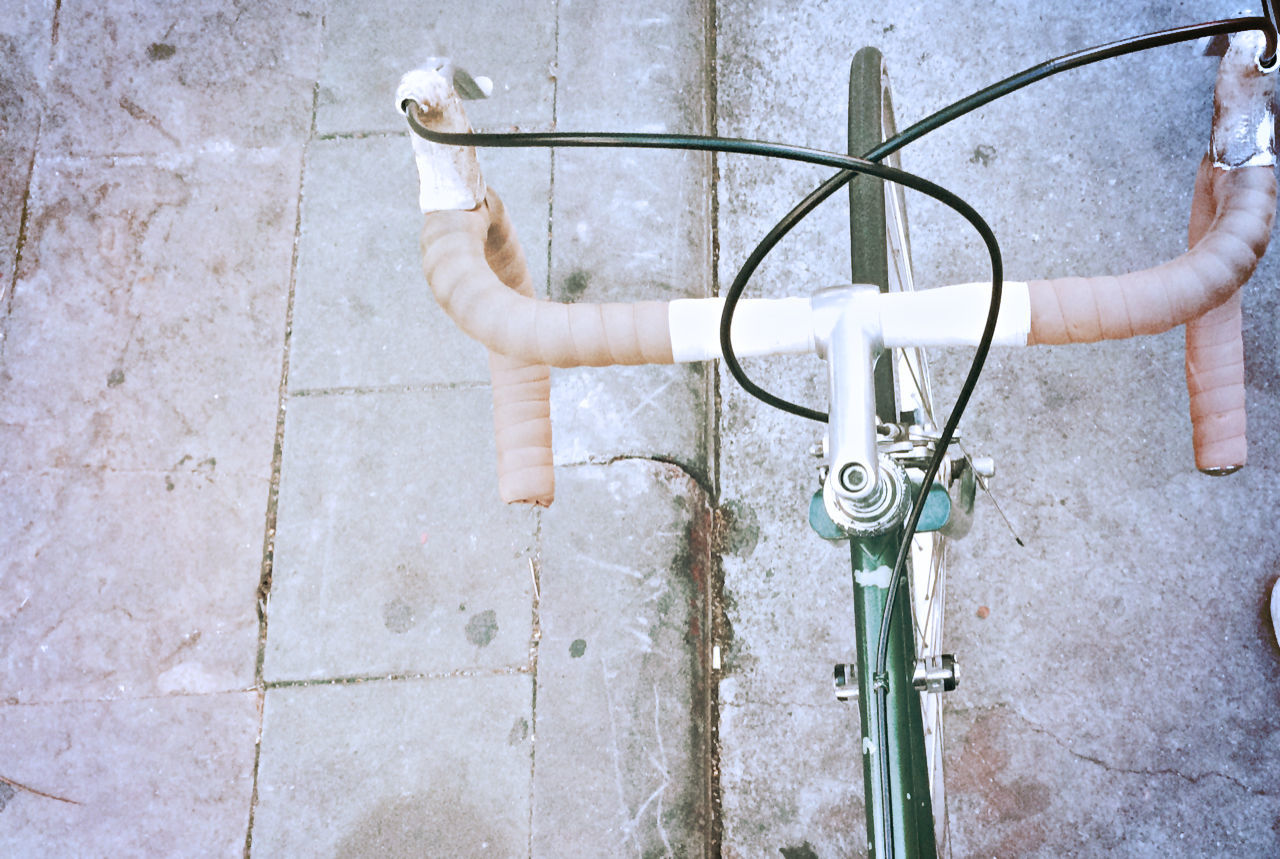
{"x": 1234, "y": 210}
{"x": 1215, "y": 381}
{"x": 521, "y": 399}
{"x": 546, "y": 332}
{"x": 1231, "y": 215}
{"x": 1085, "y": 310}
{"x": 1215, "y": 361}
{"x": 477, "y": 271}
{"x": 522, "y": 430}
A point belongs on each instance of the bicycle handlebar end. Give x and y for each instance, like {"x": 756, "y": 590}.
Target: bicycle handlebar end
{"x": 449, "y": 177}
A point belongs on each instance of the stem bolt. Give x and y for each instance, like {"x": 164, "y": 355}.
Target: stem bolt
{"x": 854, "y": 477}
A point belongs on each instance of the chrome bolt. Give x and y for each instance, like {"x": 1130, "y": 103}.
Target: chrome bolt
{"x": 939, "y": 674}
{"x": 846, "y": 682}
{"x": 984, "y": 466}
{"x": 854, "y": 477}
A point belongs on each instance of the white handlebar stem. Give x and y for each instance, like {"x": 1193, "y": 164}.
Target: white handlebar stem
{"x": 849, "y": 326}
{"x": 947, "y": 316}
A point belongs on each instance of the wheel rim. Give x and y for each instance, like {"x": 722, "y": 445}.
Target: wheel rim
{"x": 928, "y": 551}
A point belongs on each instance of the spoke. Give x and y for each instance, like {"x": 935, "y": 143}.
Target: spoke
{"x": 929, "y": 593}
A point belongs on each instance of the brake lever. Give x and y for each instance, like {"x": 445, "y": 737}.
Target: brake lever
{"x": 471, "y": 88}
{"x": 449, "y": 176}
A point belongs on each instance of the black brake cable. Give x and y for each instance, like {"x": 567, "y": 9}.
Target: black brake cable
{"x": 978, "y": 99}
{"x": 848, "y": 164}
{"x": 1271, "y": 14}
{"x": 851, "y": 167}
{"x": 836, "y": 182}
{"x": 919, "y": 129}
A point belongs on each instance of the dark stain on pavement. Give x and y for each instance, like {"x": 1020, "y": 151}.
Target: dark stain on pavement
{"x": 440, "y": 823}
{"x": 578, "y": 648}
{"x": 519, "y": 732}
{"x": 804, "y": 851}
{"x": 398, "y": 616}
{"x": 737, "y": 529}
{"x": 575, "y": 285}
{"x": 160, "y": 51}
{"x": 1011, "y": 817}
{"x": 482, "y": 628}
{"x": 983, "y": 154}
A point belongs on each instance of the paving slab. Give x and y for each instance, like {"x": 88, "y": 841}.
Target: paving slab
{"x": 119, "y": 585}
{"x": 790, "y": 764}
{"x": 393, "y": 553}
{"x": 599, "y": 414}
{"x": 799, "y": 803}
{"x": 787, "y": 591}
{"x": 140, "y": 383}
{"x": 629, "y": 223}
{"x": 400, "y": 768}
{"x": 153, "y": 78}
{"x": 632, "y": 225}
{"x": 134, "y": 342}
{"x": 621, "y": 723}
{"x": 368, "y": 46}
{"x": 166, "y": 776}
{"x": 364, "y": 315}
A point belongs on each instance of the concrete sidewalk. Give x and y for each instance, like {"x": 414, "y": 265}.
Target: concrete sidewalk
{"x": 258, "y": 595}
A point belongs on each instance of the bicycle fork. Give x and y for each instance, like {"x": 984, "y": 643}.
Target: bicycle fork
{"x": 865, "y": 495}
{"x": 908, "y": 821}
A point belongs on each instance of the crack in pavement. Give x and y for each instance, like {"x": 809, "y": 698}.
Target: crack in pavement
{"x": 1115, "y": 768}
{"x": 682, "y": 467}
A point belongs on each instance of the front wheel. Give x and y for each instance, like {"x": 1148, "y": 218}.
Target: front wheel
{"x": 880, "y": 253}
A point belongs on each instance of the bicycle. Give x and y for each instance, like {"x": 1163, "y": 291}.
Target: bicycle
{"x": 864, "y": 495}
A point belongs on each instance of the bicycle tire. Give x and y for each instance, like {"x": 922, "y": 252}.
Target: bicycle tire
{"x": 880, "y": 253}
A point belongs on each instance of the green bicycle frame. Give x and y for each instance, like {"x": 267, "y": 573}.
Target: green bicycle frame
{"x": 911, "y": 814}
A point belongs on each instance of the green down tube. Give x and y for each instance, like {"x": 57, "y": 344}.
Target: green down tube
{"x": 912, "y": 818}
